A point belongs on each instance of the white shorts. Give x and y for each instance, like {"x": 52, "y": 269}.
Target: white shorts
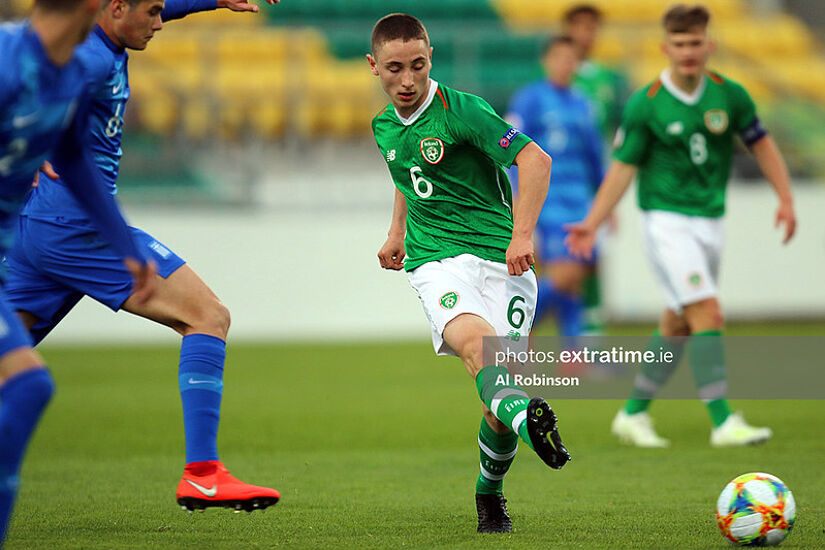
{"x": 467, "y": 284}
{"x": 685, "y": 252}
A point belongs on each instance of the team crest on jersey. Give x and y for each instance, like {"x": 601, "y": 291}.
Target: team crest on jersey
{"x": 695, "y": 280}
{"x": 449, "y": 300}
{"x": 432, "y": 149}
{"x": 716, "y": 120}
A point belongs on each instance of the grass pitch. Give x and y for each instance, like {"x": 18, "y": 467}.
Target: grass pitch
{"x": 373, "y": 446}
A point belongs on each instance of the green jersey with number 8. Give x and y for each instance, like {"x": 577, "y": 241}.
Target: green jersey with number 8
{"x": 448, "y": 160}
{"x": 683, "y": 143}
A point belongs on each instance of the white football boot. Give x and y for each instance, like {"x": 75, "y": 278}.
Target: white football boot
{"x": 735, "y": 431}
{"x": 637, "y": 429}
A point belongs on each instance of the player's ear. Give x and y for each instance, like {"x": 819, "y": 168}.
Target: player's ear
{"x": 117, "y": 8}
{"x": 431, "y": 55}
{"x": 373, "y": 66}
{"x": 711, "y": 45}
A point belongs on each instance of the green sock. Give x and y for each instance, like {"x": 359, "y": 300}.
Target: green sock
{"x": 707, "y": 361}
{"x": 592, "y": 306}
{"x": 497, "y": 452}
{"x": 653, "y": 376}
{"x": 507, "y": 401}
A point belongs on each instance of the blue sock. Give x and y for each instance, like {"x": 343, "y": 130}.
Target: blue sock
{"x": 201, "y": 388}
{"x": 571, "y": 315}
{"x": 22, "y": 400}
{"x": 548, "y": 298}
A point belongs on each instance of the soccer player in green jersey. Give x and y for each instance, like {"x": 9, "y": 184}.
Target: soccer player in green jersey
{"x": 678, "y": 134}
{"x": 467, "y": 249}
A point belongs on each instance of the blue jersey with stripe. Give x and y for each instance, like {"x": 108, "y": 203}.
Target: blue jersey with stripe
{"x": 43, "y": 115}
{"x": 562, "y": 123}
{"x": 107, "y": 67}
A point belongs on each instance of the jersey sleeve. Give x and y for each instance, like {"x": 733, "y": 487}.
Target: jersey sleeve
{"x": 81, "y": 175}
{"x": 178, "y": 9}
{"x": 743, "y": 112}
{"x": 473, "y": 121}
{"x": 634, "y": 135}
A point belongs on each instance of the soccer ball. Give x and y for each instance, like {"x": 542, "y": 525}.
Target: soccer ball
{"x": 756, "y": 510}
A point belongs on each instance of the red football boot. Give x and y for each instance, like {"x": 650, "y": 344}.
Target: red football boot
{"x": 220, "y": 488}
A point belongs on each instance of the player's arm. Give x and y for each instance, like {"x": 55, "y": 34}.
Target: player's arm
{"x": 776, "y": 172}
{"x": 83, "y": 178}
{"x": 521, "y": 113}
{"x": 534, "y": 180}
{"x": 177, "y": 9}
{"x": 391, "y": 255}
{"x": 581, "y": 236}
{"x": 746, "y": 122}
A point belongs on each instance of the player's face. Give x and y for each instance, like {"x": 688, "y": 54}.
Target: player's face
{"x": 140, "y": 24}
{"x": 560, "y": 64}
{"x": 583, "y": 29}
{"x": 403, "y": 67}
{"x": 688, "y": 51}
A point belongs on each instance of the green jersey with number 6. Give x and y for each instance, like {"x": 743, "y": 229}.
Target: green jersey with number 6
{"x": 448, "y": 160}
{"x": 683, "y": 143}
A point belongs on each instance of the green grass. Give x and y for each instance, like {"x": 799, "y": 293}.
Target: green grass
{"x": 373, "y": 446}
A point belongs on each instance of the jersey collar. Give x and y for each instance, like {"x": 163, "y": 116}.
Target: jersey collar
{"x": 684, "y": 97}
{"x": 418, "y": 112}
{"x": 98, "y": 30}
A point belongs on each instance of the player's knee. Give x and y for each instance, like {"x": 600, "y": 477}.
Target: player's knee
{"x": 212, "y": 318}
{"x": 40, "y": 387}
{"x": 568, "y": 281}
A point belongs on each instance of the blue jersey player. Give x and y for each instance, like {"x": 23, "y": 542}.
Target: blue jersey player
{"x": 42, "y": 114}
{"x": 562, "y": 123}
{"x": 60, "y": 258}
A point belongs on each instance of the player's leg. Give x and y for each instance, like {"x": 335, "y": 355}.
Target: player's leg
{"x": 567, "y": 280}
{"x": 497, "y": 446}
{"x": 561, "y": 279}
{"x": 594, "y": 323}
{"x": 185, "y": 303}
{"x": 26, "y": 388}
{"x": 78, "y": 261}
{"x": 673, "y": 253}
{"x": 632, "y": 424}
{"x": 707, "y": 362}
{"x": 510, "y": 302}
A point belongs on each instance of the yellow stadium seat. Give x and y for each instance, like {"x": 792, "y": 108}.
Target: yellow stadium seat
{"x": 158, "y": 112}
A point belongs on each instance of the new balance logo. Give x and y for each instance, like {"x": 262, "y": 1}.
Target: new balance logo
{"x": 675, "y": 128}
{"x": 391, "y": 155}
{"x": 212, "y": 491}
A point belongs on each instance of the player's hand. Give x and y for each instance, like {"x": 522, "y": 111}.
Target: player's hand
{"x": 520, "y": 255}
{"x": 144, "y": 277}
{"x": 47, "y": 169}
{"x": 786, "y": 216}
{"x": 391, "y": 255}
{"x": 242, "y": 5}
{"x": 580, "y": 239}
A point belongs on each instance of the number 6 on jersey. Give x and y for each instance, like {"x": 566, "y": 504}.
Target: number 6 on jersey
{"x": 417, "y": 182}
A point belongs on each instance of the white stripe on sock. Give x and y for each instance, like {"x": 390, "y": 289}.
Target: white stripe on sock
{"x": 713, "y": 391}
{"x": 494, "y": 455}
{"x": 520, "y": 417}
{"x": 490, "y": 476}
{"x": 497, "y": 399}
